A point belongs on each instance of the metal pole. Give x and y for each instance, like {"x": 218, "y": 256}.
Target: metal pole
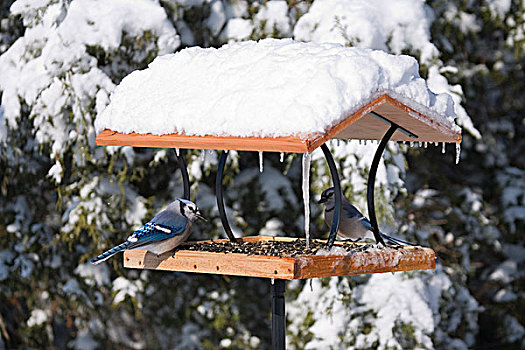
{"x": 220, "y": 200}
{"x": 338, "y": 195}
{"x": 371, "y": 182}
{"x": 184, "y": 172}
{"x": 278, "y": 288}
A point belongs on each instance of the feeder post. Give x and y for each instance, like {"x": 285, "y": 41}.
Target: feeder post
{"x": 338, "y": 196}
{"x": 184, "y": 172}
{"x": 220, "y": 199}
{"x": 278, "y": 288}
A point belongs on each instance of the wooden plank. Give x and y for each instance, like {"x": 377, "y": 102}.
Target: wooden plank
{"x": 364, "y": 126}
{"x": 425, "y": 128}
{"x": 278, "y": 144}
{"x": 359, "y": 126}
{"x": 406, "y": 259}
{"x": 313, "y": 266}
{"x": 346, "y": 123}
{"x": 214, "y": 263}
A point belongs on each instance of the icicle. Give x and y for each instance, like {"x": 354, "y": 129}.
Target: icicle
{"x": 359, "y": 142}
{"x": 425, "y": 144}
{"x": 436, "y": 143}
{"x": 365, "y": 142}
{"x": 443, "y": 145}
{"x": 338, "y": 142}
{"x": 411, "y": 143}
{"x": 211, "y": 151}
{"x": 458, "y": 152}
{"x": 306, "y": 196}
{"x": 282, "y": 157}
{"x": 177, "y": 151}
{"x": 260, "y": 161}
{"x": 203, "y": 155}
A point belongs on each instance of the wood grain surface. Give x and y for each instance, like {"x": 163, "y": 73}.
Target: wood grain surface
{"x": 313, "y": 266}
{"x": 359, "y": 126}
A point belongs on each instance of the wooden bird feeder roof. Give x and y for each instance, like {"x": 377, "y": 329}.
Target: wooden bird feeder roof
{"x": 364, "y": 259}
{"x": 368, "y": 123}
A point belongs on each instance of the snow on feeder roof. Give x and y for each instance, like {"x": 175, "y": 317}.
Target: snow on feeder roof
{"x": 274, "y": 95}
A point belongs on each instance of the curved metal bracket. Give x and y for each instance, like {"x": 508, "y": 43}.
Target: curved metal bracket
{"x": 338, "y": 196}
{"x": 184, "y": 172}
{"x": 220, "y": 197}
{"x": 371, "y": 182}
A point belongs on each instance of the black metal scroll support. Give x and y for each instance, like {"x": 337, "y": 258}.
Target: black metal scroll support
{"x": 338, "y": 195}
{"x": 184, "y": 172}
{"x": 371, "y": 182}
{"x": 373, "y": 172}
{"x": 278, "y": 315}
{"x": 220, "y": 197}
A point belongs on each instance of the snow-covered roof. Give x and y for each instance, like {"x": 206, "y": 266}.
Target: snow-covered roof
{"x": 273, "y": 95}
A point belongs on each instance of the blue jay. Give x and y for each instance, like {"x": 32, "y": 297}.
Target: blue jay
{"x": 161, "y": 234}
{"x": 352, "y": 224}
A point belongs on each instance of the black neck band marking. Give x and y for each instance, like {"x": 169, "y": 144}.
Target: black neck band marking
{"x": 182, "y": 209}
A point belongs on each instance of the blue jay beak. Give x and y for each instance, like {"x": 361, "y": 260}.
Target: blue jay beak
{"x": 199, "y": 216}
{"x": 322, "y": 200}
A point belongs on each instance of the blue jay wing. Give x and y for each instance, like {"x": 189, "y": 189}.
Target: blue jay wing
{"x": 366, "y": 223}
{"x": 152, "y": 232}
{"x": 176, "y": 222}
{"x": 352, "y": 212}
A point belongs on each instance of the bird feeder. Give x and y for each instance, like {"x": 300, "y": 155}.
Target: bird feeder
{"x": 383, "y": 118}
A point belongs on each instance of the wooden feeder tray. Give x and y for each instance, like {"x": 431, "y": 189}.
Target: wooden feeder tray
{"x": 282, "y": 258}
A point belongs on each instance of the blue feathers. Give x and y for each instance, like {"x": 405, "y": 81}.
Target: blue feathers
{"x": 149, "y": 233}
{"x": 152, "y": 232}
{"x": 107, "y": 254}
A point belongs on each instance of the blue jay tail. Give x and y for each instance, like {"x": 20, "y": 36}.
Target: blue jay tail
{"x": 396, "y": 241}
{"x": 109, "y": 253}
